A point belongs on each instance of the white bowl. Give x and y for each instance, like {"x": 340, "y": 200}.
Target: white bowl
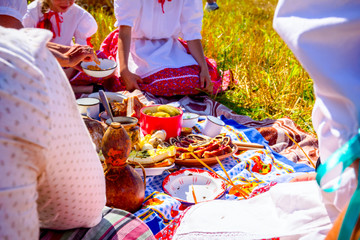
{"x": 190, "y": 119}
{"x": 108, "y": 67}
{"x": 111, "y": 96}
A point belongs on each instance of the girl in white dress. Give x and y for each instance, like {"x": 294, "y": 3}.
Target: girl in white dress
{"x": 67, "y": 21}
{"x": 151, "y": 57}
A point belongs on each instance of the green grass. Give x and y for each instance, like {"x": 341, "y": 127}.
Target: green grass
{"x": 240, "y": 37}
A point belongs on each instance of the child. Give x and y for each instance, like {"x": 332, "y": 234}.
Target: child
{"x": 150, "y": 55}
{"x": 64, "y": 19}
{"x": 67, "y": 21}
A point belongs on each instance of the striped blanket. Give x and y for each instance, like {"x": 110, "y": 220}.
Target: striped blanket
{"x": 115, "y": 224}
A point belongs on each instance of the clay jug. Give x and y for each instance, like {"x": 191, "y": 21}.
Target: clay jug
{"x": 130, "y": 124}
{"x": 124, "y": 187}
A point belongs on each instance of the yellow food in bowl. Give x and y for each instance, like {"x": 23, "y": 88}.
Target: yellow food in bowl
{"x": 94, "y": 67}
{"x": 163, "y": 111}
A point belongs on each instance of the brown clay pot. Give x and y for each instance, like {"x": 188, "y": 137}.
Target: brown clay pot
{"x": 125, "y": 188}
{"x": 130, "y": 124}
{"x": 116, "y": 145}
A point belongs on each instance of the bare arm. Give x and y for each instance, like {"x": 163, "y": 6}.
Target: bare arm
{"x": 10, "y": 22}
{"x": 197, "y": 52}
{"x": 58, "y": 47}
{"x": 130, "y": 80}
{"x": 71, "y": 56}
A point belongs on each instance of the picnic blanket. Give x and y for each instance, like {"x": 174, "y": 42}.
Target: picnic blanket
{"x": 273, "y": 130}
{"x": 282, "y": 158}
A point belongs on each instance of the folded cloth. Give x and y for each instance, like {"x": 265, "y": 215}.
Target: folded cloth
{"x": 287, "y": 210}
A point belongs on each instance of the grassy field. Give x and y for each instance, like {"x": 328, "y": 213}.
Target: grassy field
{"x": 240, "y": 37}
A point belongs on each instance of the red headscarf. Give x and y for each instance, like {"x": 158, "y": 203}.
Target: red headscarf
{"x": 48, "y": 16}
{"x": 162, "y": 4}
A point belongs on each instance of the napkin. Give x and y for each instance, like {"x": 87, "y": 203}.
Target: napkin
{"x": 288, "y": 210}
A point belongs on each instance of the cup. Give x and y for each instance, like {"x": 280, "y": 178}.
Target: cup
{"x": 89, "y": 107}
{"x": 212, "y": 126}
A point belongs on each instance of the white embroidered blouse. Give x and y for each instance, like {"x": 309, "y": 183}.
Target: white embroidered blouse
{"x": 76, "y": 23}
{"x": 154, "y": 44}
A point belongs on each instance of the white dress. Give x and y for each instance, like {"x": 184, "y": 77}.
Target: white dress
{"x": 325, "y": 37}
{"x": 51, "y": 176}
{"x": 77, "y": 23}
{"x": 154, "y": 44}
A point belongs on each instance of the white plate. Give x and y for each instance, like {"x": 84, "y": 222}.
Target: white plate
{"x": 153, "y": 171}
{"x": 207, "y": 185}
{"x": 111, "y": 96}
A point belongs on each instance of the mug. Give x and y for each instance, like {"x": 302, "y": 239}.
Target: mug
{"x": 213, "y": 126}
{"x": 89, "y": 107}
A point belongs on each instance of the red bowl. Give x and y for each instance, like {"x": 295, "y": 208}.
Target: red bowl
{"x": 150, "y": 124}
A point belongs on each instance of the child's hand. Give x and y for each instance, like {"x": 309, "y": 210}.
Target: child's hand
{"x": 205, "y": 82}
{"x": 71, "y": 56}
{"x": 78, "y": 53}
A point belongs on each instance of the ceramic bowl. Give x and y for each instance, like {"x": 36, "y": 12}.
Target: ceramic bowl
{"x": 107, "y": 68}
{"x": 189, "y": 120}
{"x": 111, "y": 96}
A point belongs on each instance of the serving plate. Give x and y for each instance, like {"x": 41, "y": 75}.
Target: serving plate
{"x": 209, "y": 161}
{"x": 153, "y": 171}
{"x": 207, "y": 185}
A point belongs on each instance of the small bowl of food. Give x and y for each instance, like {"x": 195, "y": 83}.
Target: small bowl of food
{"x": 161, "y": 117}
{"x": 104, "y": 69}
{"x": 190, "y": 119}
